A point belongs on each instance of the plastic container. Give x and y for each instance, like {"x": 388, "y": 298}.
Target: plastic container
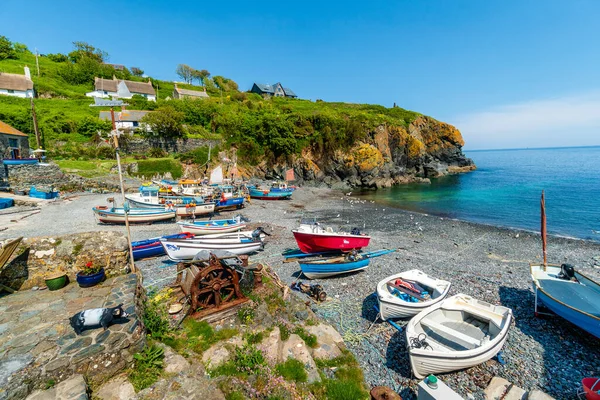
{"x": 85, "y": 281}
{"x": 591, "y": 387}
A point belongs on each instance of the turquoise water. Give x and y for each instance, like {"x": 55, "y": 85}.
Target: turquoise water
{"x": 506, "y": 187}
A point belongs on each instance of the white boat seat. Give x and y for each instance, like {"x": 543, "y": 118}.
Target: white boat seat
{"x": 466, "y": 341}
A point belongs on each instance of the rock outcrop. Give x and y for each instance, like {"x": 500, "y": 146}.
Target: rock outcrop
{"x": 389, "y": 155}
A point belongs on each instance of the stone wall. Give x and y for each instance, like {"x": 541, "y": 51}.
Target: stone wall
{"x": 23, "y": 144}
{"x": 142, "y": 146}
{"x": 39, "y": 257}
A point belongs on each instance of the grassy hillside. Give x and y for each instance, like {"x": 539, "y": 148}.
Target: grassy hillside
{"x": 259, "y": 128}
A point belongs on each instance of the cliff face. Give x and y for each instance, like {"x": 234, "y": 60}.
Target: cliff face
{"x": 389, "y": 155}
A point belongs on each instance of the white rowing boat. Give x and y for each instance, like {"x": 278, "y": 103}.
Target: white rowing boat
{"x": 457, "y": 333}
{"x": 392, "y": 302}
{"x": 179, "y": 250}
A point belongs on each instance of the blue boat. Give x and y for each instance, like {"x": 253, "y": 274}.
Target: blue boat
{"x": 352, "y": 262}
{"x": 152, "y": 247}
{"x": 569, "y": 294}
{"x": 229, "y": 203}
{"x": 268, "y": 194}
{"x": 19, "y": 161}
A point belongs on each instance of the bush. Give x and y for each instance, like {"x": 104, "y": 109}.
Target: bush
{"x": 199, "y": 155}
{"x": 150, "y": 168}
{"x": 155, "y": 319}
{"x": 157, "y": 152}
{"x": 292, "y": 370}
{"x": 148, "y": 366}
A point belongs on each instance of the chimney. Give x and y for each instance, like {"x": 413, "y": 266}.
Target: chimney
{"x": 114, "y": 77}
{"x": 27, "y": 73}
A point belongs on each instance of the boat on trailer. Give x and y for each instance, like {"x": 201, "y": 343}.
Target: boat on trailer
{"x": 456, "y": 333}
{"x": 114, "y": 215}
{"x": 312, "y": 237}
{"x": 408, "y": 293}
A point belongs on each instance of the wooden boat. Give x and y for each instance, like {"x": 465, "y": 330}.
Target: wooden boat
{"x": 187, "y": 249}
{"x": 456, "y": 333}
{"x": 19, "y": 161}
{"x": 212, "y": 226}
{"x": 135, "y": 215}
{"x": 313, "y": 238}
{"x": 149, "y": 197}
{"x": 268, "y": 194}
{"x": 565, "y": 291}
{"x": 400, "y": 301}
{"x": 152, "y": 247}
{"x": 352, "y": 262}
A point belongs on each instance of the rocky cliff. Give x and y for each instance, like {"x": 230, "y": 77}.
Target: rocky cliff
{"x": 389, "y": 155}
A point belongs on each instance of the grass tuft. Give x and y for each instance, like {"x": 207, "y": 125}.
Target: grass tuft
{"x": 292, "y": 370}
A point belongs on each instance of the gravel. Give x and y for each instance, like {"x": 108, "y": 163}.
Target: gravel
{"x": 486, "y": 262}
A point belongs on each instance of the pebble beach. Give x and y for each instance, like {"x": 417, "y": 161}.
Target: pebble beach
{"x": 483, "y": 261}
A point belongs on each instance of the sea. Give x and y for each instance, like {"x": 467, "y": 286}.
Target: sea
{"x": 505, "y": 191}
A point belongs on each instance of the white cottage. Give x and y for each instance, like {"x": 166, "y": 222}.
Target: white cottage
{"x": 16, "y": 85}
{"x": 127, "y": 120}
{"x": 122, "y": 89}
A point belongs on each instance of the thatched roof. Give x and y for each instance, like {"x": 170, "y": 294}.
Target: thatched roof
{"x": 9, "y": 130}
{"x": 110, "y": 85}
{"x": 124, "y": 116}
{"x": 15, "y": 82}
{"x": 193, "y": 93}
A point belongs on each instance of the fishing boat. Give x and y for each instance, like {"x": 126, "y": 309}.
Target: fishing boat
{"x": 278, "y": 186}
{"x": 314, "y": 238}
{"x": 114, "y": 215}
{"x": 344, "y": 264}
{"x": 456, "y": 333}
{"x": 228, "y": 199}
{"x": 408, "y": 293}
{"x": 268, "y": 194}
{"x": 212, "y": 226}
{"x": 564, "y": 290}
{"x": 187, "y": 249}
{"x": 149, "y": 197}
{"x": 152, "y": 247}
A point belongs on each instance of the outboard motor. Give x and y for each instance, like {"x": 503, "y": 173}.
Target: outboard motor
{"x": 567, "y": 272}
{"x": 355, "y": 231}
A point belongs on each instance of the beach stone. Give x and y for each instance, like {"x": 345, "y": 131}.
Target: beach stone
{"x": 174, "y": 363}
{"x": 73, "y": 388}
{"x": 270, "y": 346}
{"x": 515, "y": 393}
{"x": 118, "y": 388}
{"x": 216, "y": 355}
{"x": 538, "y": 395}
{"x": 496, "y": 389}
{"x": 295, "y": 347}
{"x": 326, "y": 334}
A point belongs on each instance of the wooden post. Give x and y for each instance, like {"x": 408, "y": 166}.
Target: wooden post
{"x": 125, "y": 212}
{"x": 35, "y": 125}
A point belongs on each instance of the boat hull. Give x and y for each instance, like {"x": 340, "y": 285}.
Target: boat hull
{"x": 316, "y": 270}
{"x": 152, "y": 247}
{"x": 20, "y": 161}
{"x": 426, "y": 361}
{"x": 107, "y": 216}
{"x": 321, "y": 242}
{"x": 230, "y": 204}
{"x": 269, "y": 195}
{"x": 180, "y": 250}
{"x": 561, "y": 307}
{"x": 182, "y": 210}
{"x": 208, "y": 229}
{"x": 392, "y": 307}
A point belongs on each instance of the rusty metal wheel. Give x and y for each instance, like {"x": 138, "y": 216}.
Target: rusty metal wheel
{"x": 214, "y": 286}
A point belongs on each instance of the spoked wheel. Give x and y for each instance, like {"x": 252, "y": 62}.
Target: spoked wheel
{"x": 214, "y": 286}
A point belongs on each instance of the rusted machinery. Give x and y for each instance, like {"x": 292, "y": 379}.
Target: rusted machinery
{"x": 213, "y": 281}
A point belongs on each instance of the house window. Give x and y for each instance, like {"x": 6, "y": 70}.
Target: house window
{"x": 135, "y": 123}
{"x": 13, "y": 142}
{"x": 10, "y": 91}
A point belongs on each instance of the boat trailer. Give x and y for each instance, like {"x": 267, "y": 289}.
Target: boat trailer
{"x": 213, "y": 282}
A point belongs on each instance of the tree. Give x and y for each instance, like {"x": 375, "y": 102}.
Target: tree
{"x": 6, "y": 48}
{"x": 58, "y": 57}
{"x": 200, "y": 75}
{"x": 137, "y": 71}
{"x": 166, "y": 122}
{"x": 83, "y": 49}
{"x": 185, "y": 72}
{"x": 225, "y": 84}
{"x": 20, "y": 48}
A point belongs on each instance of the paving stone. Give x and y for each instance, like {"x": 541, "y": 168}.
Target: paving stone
{"x": 515, "y": 393}
{"x": 102, "y": 336}
{"x": 538, "y": 395}
{"x": 88, "y": 352}
{"x": 42, "y": 347}
{"x": 58, "y": 363}
{"x": 77, "y": 345}
{"x": 66, "y": 338}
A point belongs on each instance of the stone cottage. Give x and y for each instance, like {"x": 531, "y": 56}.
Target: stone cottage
{"x": 13, "y": 143}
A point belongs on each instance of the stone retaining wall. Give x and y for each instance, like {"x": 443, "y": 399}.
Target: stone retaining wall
{"x": 39, "y": 257}
{"x": 142, "y": 146}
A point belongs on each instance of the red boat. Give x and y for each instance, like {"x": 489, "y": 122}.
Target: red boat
{"x": 313, "y": 238}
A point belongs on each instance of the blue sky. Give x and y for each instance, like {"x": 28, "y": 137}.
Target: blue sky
{"x": 506, "y": 73}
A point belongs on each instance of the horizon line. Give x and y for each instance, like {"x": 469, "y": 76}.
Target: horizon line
{"x": 535, "y": 148}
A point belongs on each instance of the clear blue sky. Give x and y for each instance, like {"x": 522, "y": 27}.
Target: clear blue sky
{"x": 507, "y": 73}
